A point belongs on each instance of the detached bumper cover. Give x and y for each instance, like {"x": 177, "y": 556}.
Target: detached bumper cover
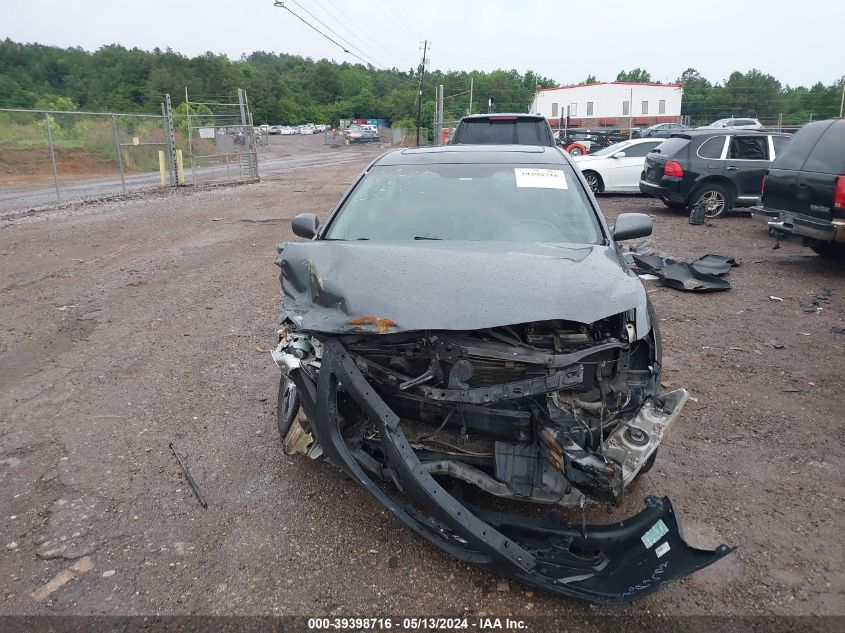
{"x": 603, "y": 564}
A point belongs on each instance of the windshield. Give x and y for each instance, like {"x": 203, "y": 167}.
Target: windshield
{"x": 511, "y": 203}
{"x": 610, "y": 149}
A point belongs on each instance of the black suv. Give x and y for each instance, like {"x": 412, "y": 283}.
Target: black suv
{"x": 503, "y": 129}
{"x": 804, "y": 190}
{"x": 720, "y": 168}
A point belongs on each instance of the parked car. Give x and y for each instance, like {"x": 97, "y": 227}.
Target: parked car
{"x": 663, "y": 130}
{"x": 736, "y": 124}
{"x": 617, "y": 167}
{"x": 579, "y": 141}
{"x": 287, "y": 130}
{"x": 275, "y": 129}
{"x": 720, "y": 168}
{"x": 361, "y": 133}
{"x": 503, "y": 129}
{"x": 466, "y": 314}
{"x": 804, "y": 190}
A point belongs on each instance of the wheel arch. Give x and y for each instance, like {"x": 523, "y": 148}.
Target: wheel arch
{"x": 722, "y": 181}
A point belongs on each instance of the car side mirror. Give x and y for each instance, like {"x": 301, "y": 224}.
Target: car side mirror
{"x": 306, "y": 225}
{"x": 619, "y": 155}
{"x": 632, "y": 225}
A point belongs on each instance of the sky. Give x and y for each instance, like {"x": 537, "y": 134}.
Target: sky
{"x": 566, "y": 40}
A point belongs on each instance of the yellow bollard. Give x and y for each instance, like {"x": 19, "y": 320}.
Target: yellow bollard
{"x": 162, "y": 168}
{"x": 180, "y": 170}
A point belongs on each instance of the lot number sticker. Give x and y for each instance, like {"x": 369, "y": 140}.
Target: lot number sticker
{"x": 540, "y": 178}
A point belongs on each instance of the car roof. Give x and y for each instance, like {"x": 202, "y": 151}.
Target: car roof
{"x": 713, "y": 131}
{"x": 471, "y": 154}
{"x": 522, "y": 115}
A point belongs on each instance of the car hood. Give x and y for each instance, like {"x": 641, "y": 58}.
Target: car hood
{"x": 386, "y": 287}
{"x": 587, "y": 158}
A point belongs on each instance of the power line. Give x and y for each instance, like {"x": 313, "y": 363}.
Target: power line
{"x": 395, "y": 21}
{"x": 281, "y": 5}
{"x": 361, "y": 32}
{"x": 402, "y": 18}
{"x": 351, "y": 45}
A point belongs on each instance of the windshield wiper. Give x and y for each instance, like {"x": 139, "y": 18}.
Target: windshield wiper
{"x": 425, "y": 237}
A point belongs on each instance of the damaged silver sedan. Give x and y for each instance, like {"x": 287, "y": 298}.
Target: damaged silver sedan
{"x": 463, "y": 333}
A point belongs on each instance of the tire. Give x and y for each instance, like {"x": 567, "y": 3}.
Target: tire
{"x": 595, "y": 181}
{"x": 576, "y": 149}
{"x": 718, "y": 199}
{"x": 673, "y": 205}
{"x": 829, "y": 249}
{"x": 287, "y": 406}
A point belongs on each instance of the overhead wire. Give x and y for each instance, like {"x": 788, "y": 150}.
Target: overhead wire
{"x": 351, "y": 45}
{"x": 280, "y": 4}
{"x": 361, "y": 33}
{"x": 410, "y": 27}
{"x": 399, "y": 25}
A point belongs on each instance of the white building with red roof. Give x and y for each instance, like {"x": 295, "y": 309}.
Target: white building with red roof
{"x": 615, "y": 104}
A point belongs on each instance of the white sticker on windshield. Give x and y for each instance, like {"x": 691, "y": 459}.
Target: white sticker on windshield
{"x": 540, "y": 178}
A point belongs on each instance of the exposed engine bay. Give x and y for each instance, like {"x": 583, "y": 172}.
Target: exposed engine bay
{"x": 551, "y": 412}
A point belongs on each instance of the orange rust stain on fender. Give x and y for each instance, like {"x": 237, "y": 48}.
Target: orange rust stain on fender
{"x": 382, "y": 325}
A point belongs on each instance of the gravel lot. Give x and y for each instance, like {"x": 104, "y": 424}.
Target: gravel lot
{"x": 133, "y": 323}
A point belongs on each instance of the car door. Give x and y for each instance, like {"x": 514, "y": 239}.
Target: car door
{"x": 747, "y": 161}
{"x": 624, "y": 173}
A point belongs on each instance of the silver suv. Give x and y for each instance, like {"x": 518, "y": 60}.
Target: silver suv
{"x": 736, "y": 124}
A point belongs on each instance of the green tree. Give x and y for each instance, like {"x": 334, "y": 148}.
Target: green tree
{"x": 638, "y": 75}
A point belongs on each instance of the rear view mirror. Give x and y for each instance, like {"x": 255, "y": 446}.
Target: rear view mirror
{"x": 619, "y": 155}
{"x": 632, "y": 225}
{"x": 306, "y": 225}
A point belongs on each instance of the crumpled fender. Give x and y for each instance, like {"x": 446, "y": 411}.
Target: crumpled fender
{"x": 609, "y": 564}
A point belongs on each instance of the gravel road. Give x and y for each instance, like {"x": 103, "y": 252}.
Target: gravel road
{"x": 130, "y": 324}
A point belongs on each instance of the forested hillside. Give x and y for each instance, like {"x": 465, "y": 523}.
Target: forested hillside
{"x": 290, "y": 89}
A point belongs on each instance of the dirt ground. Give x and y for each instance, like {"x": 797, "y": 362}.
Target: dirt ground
{"x": 130, "y": 324}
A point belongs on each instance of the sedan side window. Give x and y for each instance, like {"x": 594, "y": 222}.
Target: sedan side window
{"x": 749, "y": 148}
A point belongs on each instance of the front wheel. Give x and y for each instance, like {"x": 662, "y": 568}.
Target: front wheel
{"x": 287, "y": 406}
{"x": 594, "y": 180}
{"x": 716, "y": 199}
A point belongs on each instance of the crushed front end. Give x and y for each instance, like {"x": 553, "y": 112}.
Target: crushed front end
{"x": 552, "y": 412}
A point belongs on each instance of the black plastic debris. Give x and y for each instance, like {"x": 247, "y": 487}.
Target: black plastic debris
{"x": 697, "y": 214}
{"x": 682, "y": 275}
{"x": 814, "y": 305}
{"x": 715, "y": 264}
{"x": 837, "y": 330}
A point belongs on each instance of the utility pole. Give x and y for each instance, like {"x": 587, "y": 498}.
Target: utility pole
{"x": 469, "y": 111}
{"x": 419, "y": 95}
{"x": 842, "y": 101}
{"x": 439, "y": 125}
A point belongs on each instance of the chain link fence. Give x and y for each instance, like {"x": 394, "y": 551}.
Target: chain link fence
{"x": 50, "y": 157}
{"x": 222, "y": 142}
